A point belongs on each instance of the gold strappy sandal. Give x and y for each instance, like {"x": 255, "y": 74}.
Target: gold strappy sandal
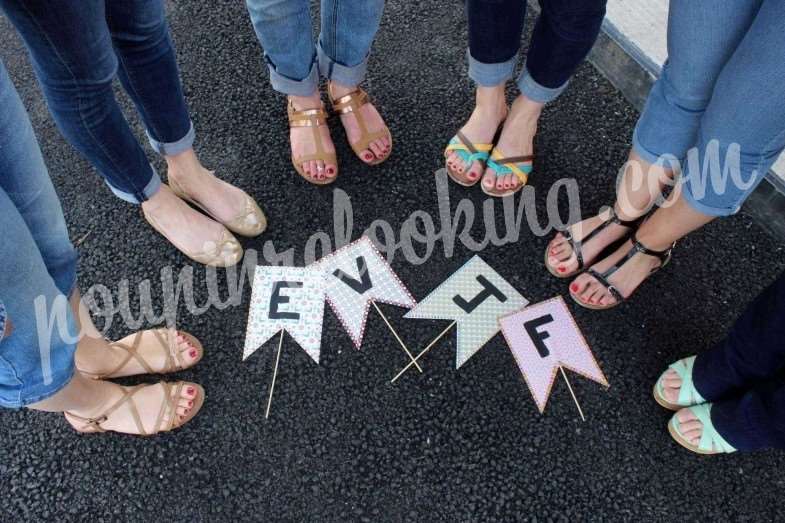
{"x": 249, "y": 222}
{"x": 162, "y": 339}
{"x": 225, "y": 252}
{"x": 351, "y": 103}
{"x": 167, "y": 418}
{"x": 312, "y": 118}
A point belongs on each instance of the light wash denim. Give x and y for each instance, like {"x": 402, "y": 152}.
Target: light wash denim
{"x": 77, "y": 49}
{"x": 722, "y": 85}
{"x": 38, "y": 262}
{"x": 284, "y": 28}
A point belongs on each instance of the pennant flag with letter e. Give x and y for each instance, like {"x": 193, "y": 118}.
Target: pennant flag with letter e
{"x": 544, "y": 339}
{"x": 357, "y": 276}
{"x": 474, "y": 297}
{"x": 287, "y": 299}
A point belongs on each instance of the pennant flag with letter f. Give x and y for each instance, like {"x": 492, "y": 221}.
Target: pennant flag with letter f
{"x": 544, "y": 339}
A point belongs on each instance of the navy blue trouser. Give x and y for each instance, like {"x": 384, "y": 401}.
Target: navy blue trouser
{"x": 743, "y": 375}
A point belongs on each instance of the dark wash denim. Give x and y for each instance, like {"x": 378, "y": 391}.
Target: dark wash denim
{"x": 563, "y": 35}
{"x": 743, "y": 375}
{"x": 77, "y": 47}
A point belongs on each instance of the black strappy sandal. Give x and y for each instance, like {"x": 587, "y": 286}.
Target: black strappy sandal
{"x": 603, "y": 278}
{"x": 577, "y": 245}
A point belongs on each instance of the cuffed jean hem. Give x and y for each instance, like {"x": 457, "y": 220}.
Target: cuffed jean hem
{"x": 348, "y": 75}
{"x": 152, "y": 187}
{"x": 283, "y": 84}
{"x": 648, "y": 156}
{"x": 41, "y": 393}
{"x": 704, "y": 208}
{"x": 490, "y": 75}
{"x": 536, "y": 92}
{"x": 173, "y": 148}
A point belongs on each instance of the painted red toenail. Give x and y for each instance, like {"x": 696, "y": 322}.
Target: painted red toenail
{"x": 191, "y": 390}
{"x": 561, "y": 269}
{"x": 192, "y": 353}
{"x": 574, "y": 287}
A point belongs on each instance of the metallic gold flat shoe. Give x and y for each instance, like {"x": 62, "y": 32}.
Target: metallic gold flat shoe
{"x": 249, "y": 222}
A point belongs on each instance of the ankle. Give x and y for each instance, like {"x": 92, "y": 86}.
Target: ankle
{"x": 526, "y": 112}
{"x": 312, "y": 101}
{"x": 491, "y": 102}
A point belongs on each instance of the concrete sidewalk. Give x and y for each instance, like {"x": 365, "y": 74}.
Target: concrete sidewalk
{"x": 342, "y": 443}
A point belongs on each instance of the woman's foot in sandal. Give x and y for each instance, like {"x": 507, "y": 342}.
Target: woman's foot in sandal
{"x": 693, "y": 429}
{"x": 222, "y": 201}
{"x": 464, "y": 165}
{"x": 612, "y": 280}
{"x": 675, "y": 388}
{"x": 197, "y": 236}
{"x": 366, "y": 131}
{"x": 154, "y": 351}
{"x": 570, "y": 251}
{"x": 141, "y": 410}
{"x": 313, "y": 151}
{"x": 516, "y": 142}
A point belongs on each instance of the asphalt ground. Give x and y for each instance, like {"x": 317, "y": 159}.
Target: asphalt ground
{"x": 342, "y": 443}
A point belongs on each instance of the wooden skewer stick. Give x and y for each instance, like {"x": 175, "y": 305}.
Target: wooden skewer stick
{"x": 275, "y": 373}
{"x": 405, "y": 348}
{"x": 580, "y": 411}
{"x": 426, "y": 349}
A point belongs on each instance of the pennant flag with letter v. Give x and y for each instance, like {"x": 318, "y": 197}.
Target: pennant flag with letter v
{"x": 290, "y": 299}
{"x": 356, "y": 276}
{"x": 474, "y": 297}
{"x": 544, "y": 339}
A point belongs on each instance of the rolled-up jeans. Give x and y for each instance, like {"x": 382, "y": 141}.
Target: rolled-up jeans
{"x": 77, "y": 49}
{"x": 717, "y": 110}
{"x": 284, "y": 28}
{"x": 562, "y": 38}
{"x": 38, "y": 266}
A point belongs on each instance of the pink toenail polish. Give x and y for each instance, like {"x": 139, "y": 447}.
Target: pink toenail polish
{"x": 192, "y": 353}
{"x": 191, "y": 390}
{"x": 561, "y": 269}
{"x": 574, "y": 287}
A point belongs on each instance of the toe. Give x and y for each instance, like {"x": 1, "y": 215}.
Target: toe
{"x": 489, "y": 179}
{"x": 685, "y": 416}
{"x": 331, "y": 170}
{"x": 376, "y": 149}
{"x": 367, "y": 156}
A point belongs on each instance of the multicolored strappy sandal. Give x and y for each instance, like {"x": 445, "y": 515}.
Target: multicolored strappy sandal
{"x": 163, "y": 340}
{"x": 710, "y": 441}
{"x": 312, "y": 118}
{"x": 520, "y": 166}
{"x": 602, "y": 278}
{"x": 351, "y": 103}
{"x": 688, "y": 394}
{"x": 469, "y": 153}
{"x": 166, "y": 420}
{"x": 577, "y": 245}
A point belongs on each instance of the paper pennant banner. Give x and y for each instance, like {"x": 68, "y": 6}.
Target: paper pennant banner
{"x": 356, "y": 275}
{"x": 544, "y": 337}
{"x": 475, "y": 296}
{"x": 288, "y": 298}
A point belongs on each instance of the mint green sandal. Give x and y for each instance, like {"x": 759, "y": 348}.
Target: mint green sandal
{"x": 710, "y": 442}
{"x": 688, "y": 395}
{"x": 469, "y": 153}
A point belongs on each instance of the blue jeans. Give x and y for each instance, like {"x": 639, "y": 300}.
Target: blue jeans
{"x": 720, "y": 91}
{"x": 341, "y": 53}
{"x": 38, "y": 263}
{"x": 77, "y": 48}
{"x": 563, "y": 35}
{"x": 744, "y": 375}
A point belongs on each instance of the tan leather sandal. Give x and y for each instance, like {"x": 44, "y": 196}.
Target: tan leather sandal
{"x": 250, "y": 221}
{"x": 146, "y": 341}
{"x": 351, "y": 103}
{"x": 225, "y": 252}
{"x": 166, "y": 420}
{"x": 312, "y": 118}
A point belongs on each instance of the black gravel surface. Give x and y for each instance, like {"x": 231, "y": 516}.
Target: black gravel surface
{"x": 342, "y": 443}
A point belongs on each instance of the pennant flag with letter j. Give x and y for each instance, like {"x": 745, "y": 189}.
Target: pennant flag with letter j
{"x": 544, "y": 338}
{"x": 475, "y": 296}
{"x": 357, "y": 275}
{"x": 290, "y": 299}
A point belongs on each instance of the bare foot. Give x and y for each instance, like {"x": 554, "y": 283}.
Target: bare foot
{"x": 379, "y": 148}
{"x": 517, "y": 139}
{"x": 490, "y": 110}
{"x": 221, "y": 200}
{"x": 189, "y": 230}
{"x": 151, "y": 405}
{"x": 303, "y": 144}
{"x": 100, "y": 357}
